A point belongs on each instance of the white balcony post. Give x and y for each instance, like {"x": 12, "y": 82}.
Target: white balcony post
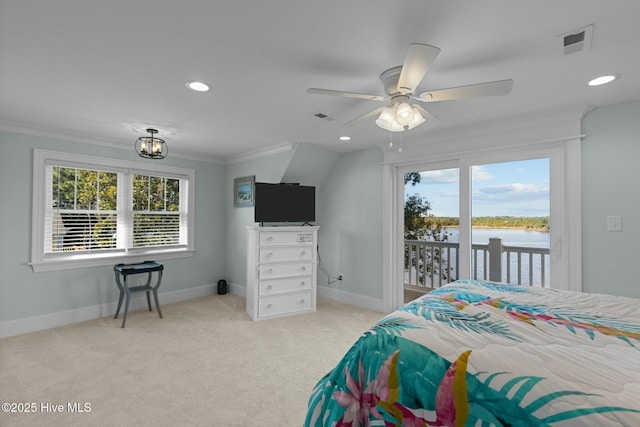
{"x": 495, "y": 259}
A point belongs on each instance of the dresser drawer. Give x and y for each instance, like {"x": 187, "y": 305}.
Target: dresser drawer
{"x": 268, "y": 271}
{"x": 288, "y": 284}
{"x": 285, "y": 238}
{"x": 288, "y": 253}
{"x": 282, "y": 304}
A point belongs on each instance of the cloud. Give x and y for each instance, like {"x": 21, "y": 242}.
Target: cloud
{"x": 479, "y": 173}
{"x": 452, "y": 176}
{"x": 441, "y": 176}
{"x": 512, "y": 192}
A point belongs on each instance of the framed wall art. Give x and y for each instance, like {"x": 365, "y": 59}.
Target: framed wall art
{"x": 243, "y": 191}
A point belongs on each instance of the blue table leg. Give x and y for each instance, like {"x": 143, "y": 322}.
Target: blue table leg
{"x": 126, "y": 270}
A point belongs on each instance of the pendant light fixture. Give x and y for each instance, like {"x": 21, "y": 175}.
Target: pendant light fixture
{"x": 151, "y": 147}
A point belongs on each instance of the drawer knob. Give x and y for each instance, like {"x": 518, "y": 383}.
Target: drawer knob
{"x": 301, "y": 301}
{"x": 268, "y": 305}
{"x": 303, "y": 268}
{"x": 269, "y": 287}
{"x": 270, "y": 254}
{"x": 303, "y": 253}
{"x": 270, "y": 270}
{"x": 270, "y": 238}
{"x": 302, "y": 283}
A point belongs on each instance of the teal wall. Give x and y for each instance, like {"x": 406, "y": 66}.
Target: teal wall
{"x": 350, "y": 219}
{"x": 610, "y": 177}
{"x": 24, "y": 293}
{"x": 266, "y": 169}
{"x": 310, "y": 165}
{"x": 348, "y": 210}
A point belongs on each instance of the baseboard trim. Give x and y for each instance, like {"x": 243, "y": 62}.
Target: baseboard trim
{"x": 361, "y": 301}
{"x": 368, "y": 303}
{"x": 26, "y": 325}
{"x": 239, "y": 290}
{"x": 12, "y": 328}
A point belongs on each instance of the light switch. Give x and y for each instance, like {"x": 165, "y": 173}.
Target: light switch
{"x": 614, "y": 223}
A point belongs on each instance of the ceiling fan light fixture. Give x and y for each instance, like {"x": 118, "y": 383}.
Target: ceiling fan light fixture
{"x": 404, "y": 114}
{"x": 387, "y": 120}
{"x": 417, "y": 119}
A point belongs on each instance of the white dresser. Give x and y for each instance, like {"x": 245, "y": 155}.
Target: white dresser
{"x": 281, "y": 271}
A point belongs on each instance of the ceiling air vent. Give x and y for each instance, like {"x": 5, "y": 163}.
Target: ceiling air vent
{"x": 323, "y": 116}
{"x": 577, "y": 41}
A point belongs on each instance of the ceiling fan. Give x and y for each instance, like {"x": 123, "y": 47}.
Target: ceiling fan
{"x": 400, "y": 83}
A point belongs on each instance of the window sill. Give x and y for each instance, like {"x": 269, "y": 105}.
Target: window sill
{"x": 86, "y": 261}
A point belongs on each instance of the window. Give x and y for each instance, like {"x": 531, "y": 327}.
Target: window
{"x": 156, "y": 211}
{"x": 84, "y": 208}
{"x": 90, "y": 211}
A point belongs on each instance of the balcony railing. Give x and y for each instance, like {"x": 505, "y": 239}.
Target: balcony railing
{"x": 433, "y": 264}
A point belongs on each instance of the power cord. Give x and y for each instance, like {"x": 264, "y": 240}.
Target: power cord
{"x": 331, "y": 279}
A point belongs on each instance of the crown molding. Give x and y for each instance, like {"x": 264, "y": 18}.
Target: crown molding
{"x": 262, "y": 152}
{"x": 85, "y": 138}
{"x": 547, "y": 126}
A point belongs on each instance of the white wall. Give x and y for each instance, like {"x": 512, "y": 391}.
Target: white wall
{"x": 610, "y": 179}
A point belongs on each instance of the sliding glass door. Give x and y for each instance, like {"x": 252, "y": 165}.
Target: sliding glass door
{"x": 431, "y": 215}
{"x": 510, "y": 231}
{"x": 489, "y": 217}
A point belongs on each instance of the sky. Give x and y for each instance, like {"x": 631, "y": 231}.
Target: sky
{"x": 499, "y": 189}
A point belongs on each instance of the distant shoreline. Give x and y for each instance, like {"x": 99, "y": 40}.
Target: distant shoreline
{"x": 542, "y": 230}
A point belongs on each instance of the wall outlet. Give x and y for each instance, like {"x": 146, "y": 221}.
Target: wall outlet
{"x": 614, "y": 223}
{"x": 339, "y": 276}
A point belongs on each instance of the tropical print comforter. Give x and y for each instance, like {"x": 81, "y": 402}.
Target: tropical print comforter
{"x": 476, "y": 353}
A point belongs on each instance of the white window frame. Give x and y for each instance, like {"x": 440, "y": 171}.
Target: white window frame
{"x": 42, "y": 158}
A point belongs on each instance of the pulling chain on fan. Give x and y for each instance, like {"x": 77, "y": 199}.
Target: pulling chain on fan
{"x": 391, "y": 141}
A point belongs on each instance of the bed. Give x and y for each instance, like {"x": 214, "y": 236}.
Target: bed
{"x": 477, "y": 353}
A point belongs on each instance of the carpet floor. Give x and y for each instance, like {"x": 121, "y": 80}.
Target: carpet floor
{"x": 205, "y": 364}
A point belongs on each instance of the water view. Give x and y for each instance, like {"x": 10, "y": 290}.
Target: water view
{"x": 510, "y": 237}
{"x": 517, "y": 268}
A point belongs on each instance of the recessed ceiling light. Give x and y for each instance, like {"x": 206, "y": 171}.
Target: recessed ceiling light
{"x": 602, "y": 80}
{"x": 345, "y": 138}
{"x": 198, "y": 86}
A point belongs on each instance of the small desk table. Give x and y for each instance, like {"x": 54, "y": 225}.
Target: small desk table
{"x": 125, "y": 270}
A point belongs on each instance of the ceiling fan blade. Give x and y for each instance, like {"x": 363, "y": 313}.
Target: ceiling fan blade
{"x": 316, "y": 91}
{"x": 366, "y": 116}
{"x": 418, "y": 60}
{"x": 497, "y": 88}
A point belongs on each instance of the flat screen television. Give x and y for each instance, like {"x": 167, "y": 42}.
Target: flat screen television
{"x": 284, "y": 203}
